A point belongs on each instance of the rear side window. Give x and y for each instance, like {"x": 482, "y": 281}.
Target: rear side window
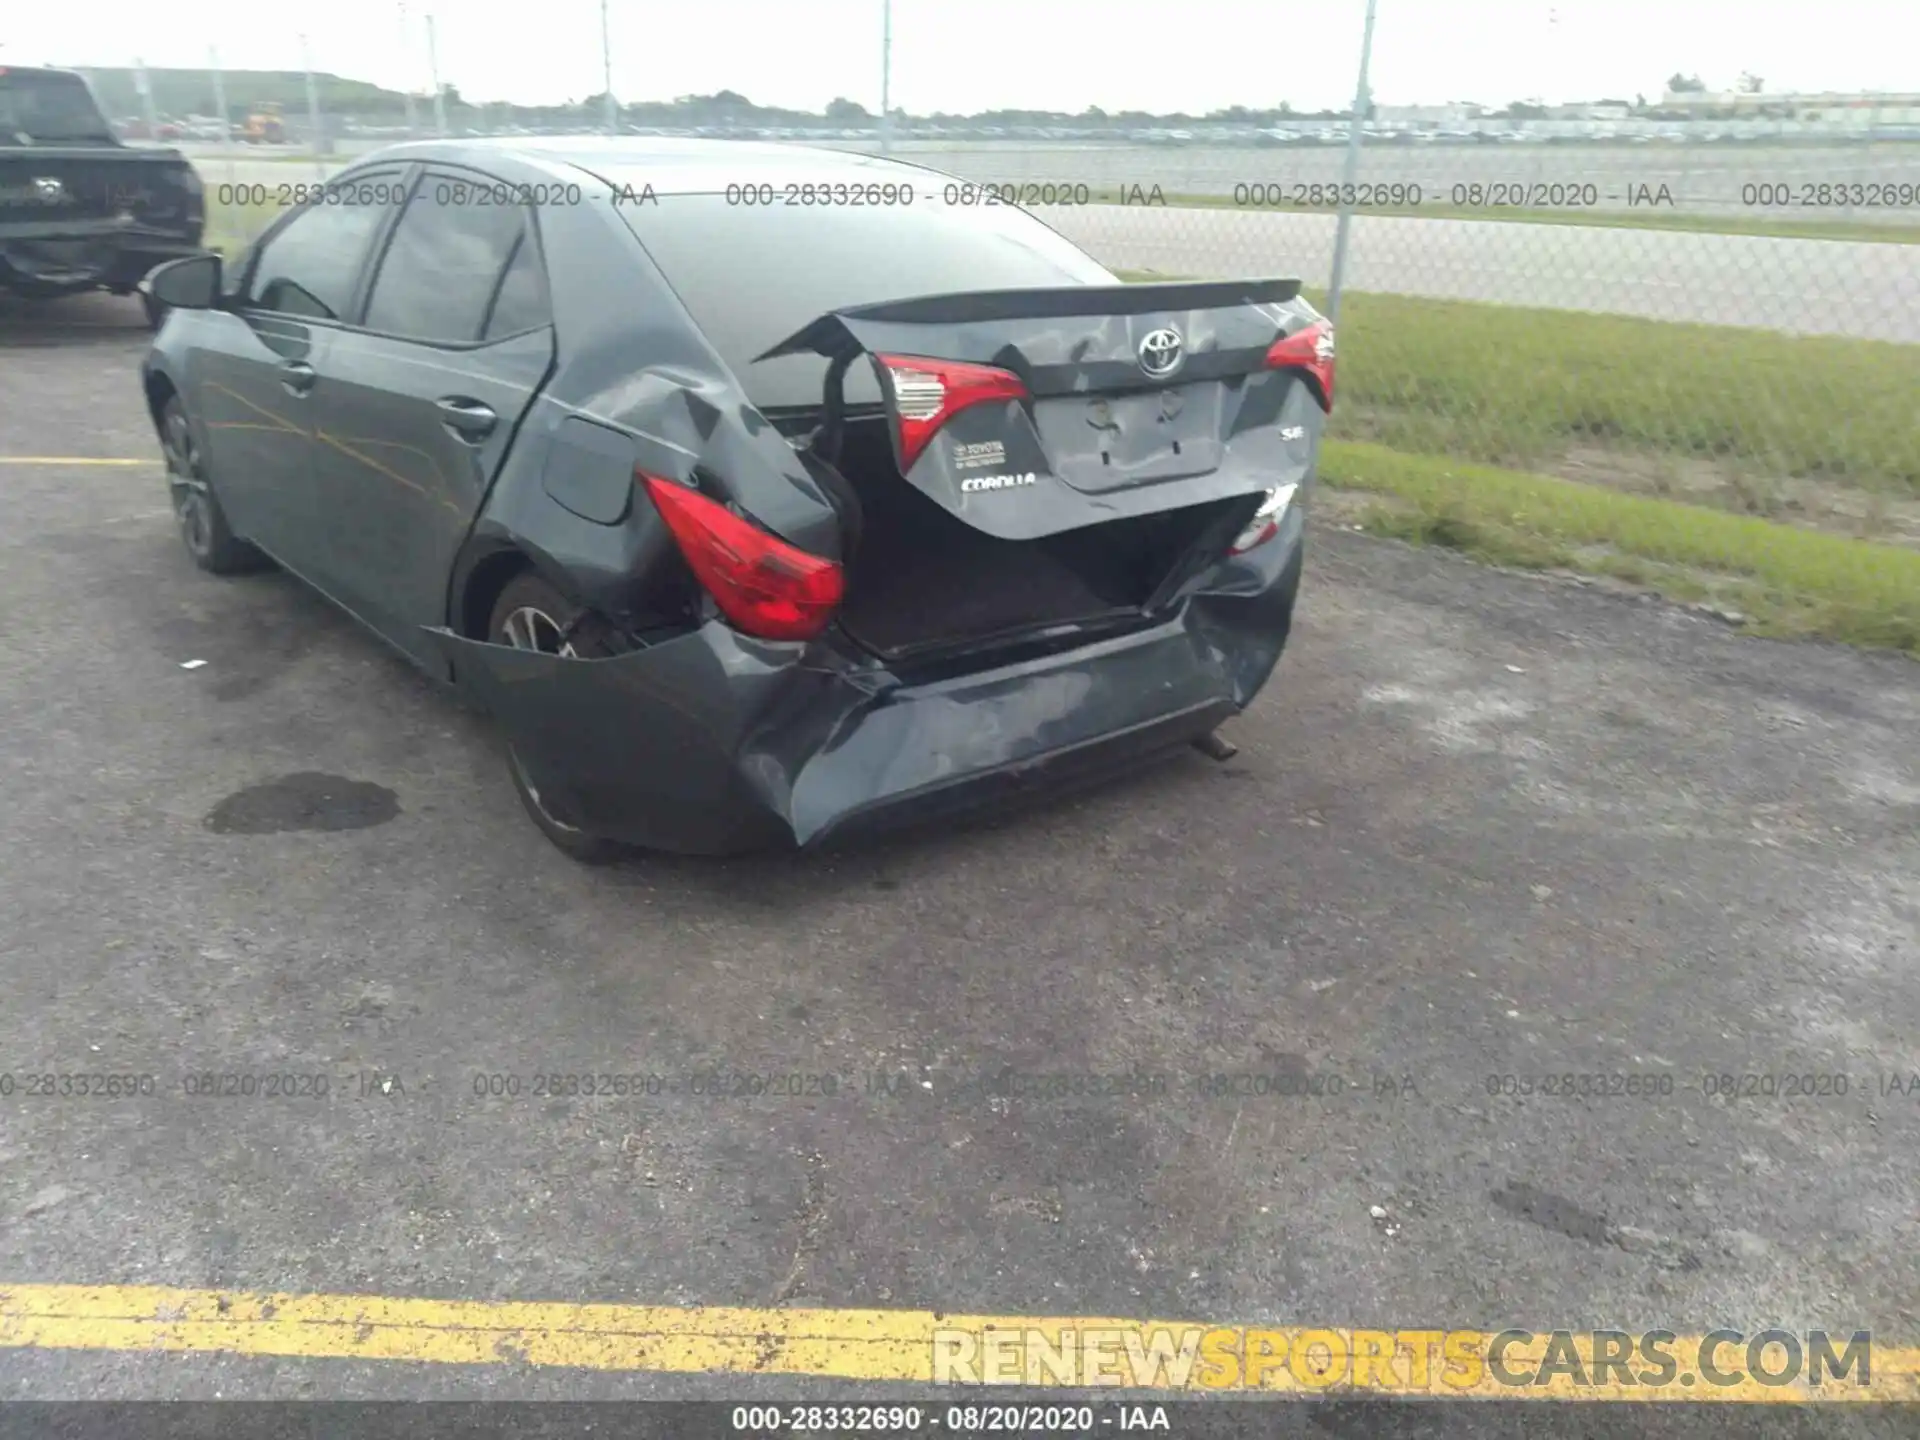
{"x": 309, "y": 267}
{"x": 750, "y": 275}
{"x": 445, "y": 263}
{"x": 521, "y": 303}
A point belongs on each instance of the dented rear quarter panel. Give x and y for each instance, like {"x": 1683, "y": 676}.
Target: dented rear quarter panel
{"x": 631, "y": 363}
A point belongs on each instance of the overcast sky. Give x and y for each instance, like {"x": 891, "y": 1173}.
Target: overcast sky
{"x": 971, "y": 55}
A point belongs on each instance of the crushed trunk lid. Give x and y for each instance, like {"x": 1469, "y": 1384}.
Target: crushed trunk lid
{"x": 1027, "y": 413}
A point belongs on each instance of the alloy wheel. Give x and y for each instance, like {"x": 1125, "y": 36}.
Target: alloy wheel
{"x": 187, "y": 485}
{"x": 530, "y": 628}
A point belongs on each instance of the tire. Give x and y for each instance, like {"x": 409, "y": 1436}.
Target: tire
{"x": 196, "y": 509}
{"x": 533, "y": 614}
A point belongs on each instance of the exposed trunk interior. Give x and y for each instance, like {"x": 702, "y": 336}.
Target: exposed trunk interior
{"x": 921, "y": 581}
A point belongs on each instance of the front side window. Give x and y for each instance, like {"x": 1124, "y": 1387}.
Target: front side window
{"x": 309, "y": 267}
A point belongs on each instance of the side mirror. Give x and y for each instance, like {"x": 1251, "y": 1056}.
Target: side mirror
{"x": 189, "y": 284}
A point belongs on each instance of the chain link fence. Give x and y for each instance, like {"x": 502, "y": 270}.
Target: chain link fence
{"x": 1773, "y": 375}
{"x": 1731, "y": 325}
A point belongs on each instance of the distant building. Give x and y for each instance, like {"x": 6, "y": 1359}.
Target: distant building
{"x": 1456, "y": 112}
{"x": 1855, "y": 111}
{"x": 1586, "y": 110}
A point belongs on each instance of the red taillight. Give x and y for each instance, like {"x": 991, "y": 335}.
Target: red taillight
{"x": 1310, "y": 350}
{"x": 763, "y": 585}
{"x": 927, "y": 393}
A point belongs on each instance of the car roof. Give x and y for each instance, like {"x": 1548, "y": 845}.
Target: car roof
{"x": 671, "y": 165}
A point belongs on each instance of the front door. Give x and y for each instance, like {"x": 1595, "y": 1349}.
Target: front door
{"x": 257, "y": 393}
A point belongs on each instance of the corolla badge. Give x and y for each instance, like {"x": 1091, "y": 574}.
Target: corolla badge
{"x": 1161, "y": 353}
{"x": 975, "y": 483}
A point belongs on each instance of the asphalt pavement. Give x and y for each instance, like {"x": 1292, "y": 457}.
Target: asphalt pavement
{"x": 1865, "y": 290}
{"x": 1483, "y": 828}
{"x": 1706, "y": 179}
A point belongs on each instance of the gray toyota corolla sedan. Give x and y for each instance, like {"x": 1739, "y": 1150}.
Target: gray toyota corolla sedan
{"x": 762, "y": 494}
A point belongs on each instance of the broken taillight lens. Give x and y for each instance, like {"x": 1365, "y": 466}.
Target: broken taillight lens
{"x": 927, "y": 393}
{"x": 1266, "y": 520}
{"x": 763, "y": 585}
{"x": 1309, "y": 350}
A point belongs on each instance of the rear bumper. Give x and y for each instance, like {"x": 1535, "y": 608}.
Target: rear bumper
{"x": 714, "y": 743}
{"x": 87, "y": 256}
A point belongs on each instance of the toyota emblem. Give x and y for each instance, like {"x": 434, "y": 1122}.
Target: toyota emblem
{"x": 1160, "y": 353}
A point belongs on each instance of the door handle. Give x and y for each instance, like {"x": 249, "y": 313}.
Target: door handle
{"x": 469, "y": 419}
{"x": 297, "y": 376}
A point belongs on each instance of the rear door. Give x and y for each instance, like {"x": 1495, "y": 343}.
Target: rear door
{"x": 420, "y": 401}
{"x": 254, "y": 391}
{"x": 1031, "y": 412}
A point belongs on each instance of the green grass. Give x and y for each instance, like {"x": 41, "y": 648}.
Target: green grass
{"x": 1785, "y": 581}
{"x": 231, "y": 227}
{"x": 1442, "y": 403}
{"x": 1513, "y": 386}
{"x": 1509, "y": 385}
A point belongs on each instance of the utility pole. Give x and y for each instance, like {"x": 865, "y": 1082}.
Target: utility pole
{"x": 1362, "y": 103}
{"x": 407, "y": 52}
{"x": 316, "y": 137}
{"x": 886, "y": 76}
{"x": 220, "y": 98}
{"x": 145, "y": 86}
{"x": 439, "y": 94}
{"x": 606, "y": 74}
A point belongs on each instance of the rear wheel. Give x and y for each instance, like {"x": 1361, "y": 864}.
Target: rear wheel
{"x": 196, "y": 509}
{"x": 532, "y": 614}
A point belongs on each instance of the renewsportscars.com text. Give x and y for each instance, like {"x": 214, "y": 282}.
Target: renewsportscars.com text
{"x": 1405, "y": 1361}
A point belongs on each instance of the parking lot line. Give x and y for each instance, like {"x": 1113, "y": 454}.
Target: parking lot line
{"x": 70, "y": 460}
{"x": 901, "y": 1346}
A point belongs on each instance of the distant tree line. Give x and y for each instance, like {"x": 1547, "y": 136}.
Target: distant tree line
{"x": 190, "y": 92}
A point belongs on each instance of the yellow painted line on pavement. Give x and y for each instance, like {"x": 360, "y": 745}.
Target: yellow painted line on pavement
{"x": 903, "y": 1346}
{"x": 68, "y": 460}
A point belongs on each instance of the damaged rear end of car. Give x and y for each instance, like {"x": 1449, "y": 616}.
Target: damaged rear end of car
{"x": 1061, "y": 462}
{"x": 914, "y": 555}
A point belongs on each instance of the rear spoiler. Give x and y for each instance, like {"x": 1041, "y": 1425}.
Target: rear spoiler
{"x": 830, "y": 335}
